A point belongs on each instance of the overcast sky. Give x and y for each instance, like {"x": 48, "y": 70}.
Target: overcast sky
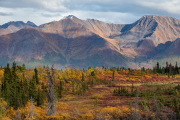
{"x": 111, "y": 11}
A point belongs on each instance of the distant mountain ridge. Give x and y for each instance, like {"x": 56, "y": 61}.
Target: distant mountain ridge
{"x": 72, "y": 42}
{"x": 14, "y": 26}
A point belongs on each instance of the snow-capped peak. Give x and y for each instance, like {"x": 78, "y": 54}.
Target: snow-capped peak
{"x": 69, "y": 16}
{"x": 147, "y": 16}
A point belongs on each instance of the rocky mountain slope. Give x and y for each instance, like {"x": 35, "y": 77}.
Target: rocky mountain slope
{"x": 72, "y": 42}
{"x": 12, "y": 27}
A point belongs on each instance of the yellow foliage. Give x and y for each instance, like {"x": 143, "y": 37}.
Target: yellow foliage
{"x": 72, "y": 73}
{"x": 89, "y": 70}
{"x": 147, "y": 76}
{"x": 1, "y": 75}
{"x": 65, "y": 115}
{"x": 99, "y": 70}
{"x": 87, "y": 116}
{"x": 68, "y": 97}
{"x": 62, "y": 106}
{"x": 114, "y": 112}
{"x": 4, "y": 103}
{"x": 28, "y": 74}
{"x": 11, "y": 113}
{"x": 108, "y": 70}
{"x": 52, "y": 118}
{"x": 97, "y": 96}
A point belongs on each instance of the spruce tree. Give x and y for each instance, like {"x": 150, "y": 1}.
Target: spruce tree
{"x": 23, "y": 68}
{"x": 14, "y": 69}
{"x": 36, "y": 76}
{"x": 15, "y": 93}
{"x": 176, "y": 68}
{"x": 25, "y": 84}
{"x": 82, "y": 77}
{"x": 23, "y": 98}
{"x": 7, "y": 91}
{"x": 44, "y": 91}
{"x": 113, "y": 76}
{"x": 39, "y": 98}
{"x": 7, "y": 78}
{"x": 59, "y": 90}
{"x": 92, "y": 73}
{"x": 32, "y": 88}
{"x": 15, "y": 88}
{"x": 61, "y": 85}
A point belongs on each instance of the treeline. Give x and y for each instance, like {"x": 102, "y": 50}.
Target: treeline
{"x": 18, "y": 91}
{"x": 168, "y": 70}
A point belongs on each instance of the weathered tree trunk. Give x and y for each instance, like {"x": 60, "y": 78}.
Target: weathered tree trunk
{"x": 32, "y": 112}
{"x": 50, "y": 93}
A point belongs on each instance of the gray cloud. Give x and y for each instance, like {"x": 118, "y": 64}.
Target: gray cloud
{"x": 51, "y": 5}
{"x": 117, "y": 11}
{"x": 132, "y": 6}
{"x": 5, "y": 14}
{"x": 51, "y": 15}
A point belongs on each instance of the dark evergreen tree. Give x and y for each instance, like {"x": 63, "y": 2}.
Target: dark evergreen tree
{"x": 23, "y": 68}
{"x": 25, "y": 84}
{"x": 113, "y": 76}
{"x": 7, "y": 91}
{"x": 60, "y": 89}
{"x": 36, "y": 76}
{"x": 176, "y": 68}
{"x": 14, "y": 69}
{"x": 39, "y": 98}
{"x": 82, "y": 77}
{"x": 44, "y": 91}
{"x": 157, "y": 67}
{"x": 117, "y": 69}
{"x": 15, "y": 94}
{"x": 143, "y": 69}
{"x": 32, "y": 88}
{"x": 24, "y": 98}
{"x": 170, "y": 68}
{"x": 167, "y": 68}
{"x": 92, "y": 73}
{"x": 7, "y": 78}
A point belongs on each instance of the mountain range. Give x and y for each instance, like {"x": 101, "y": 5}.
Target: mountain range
{"x": 73, "y": 42}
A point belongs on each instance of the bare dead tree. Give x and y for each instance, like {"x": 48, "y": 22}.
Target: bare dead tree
{"x": 147, "y": 110}
{"x": 163, "y": 113}
{"x": 171, "y": 115}
{"x": 50, "y": 92}
{"x": 32, "y": 111}
{"x": 136, "y": 115}
{"x": 18, "y": 115}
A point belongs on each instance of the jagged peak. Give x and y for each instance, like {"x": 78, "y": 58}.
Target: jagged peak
{"x": 16, "y": 23}
{"x": 148, "y": 16}
{"x": 31, "y": 24}
{"x": 69, "y": 16}
{"x": 156, "y": 16}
